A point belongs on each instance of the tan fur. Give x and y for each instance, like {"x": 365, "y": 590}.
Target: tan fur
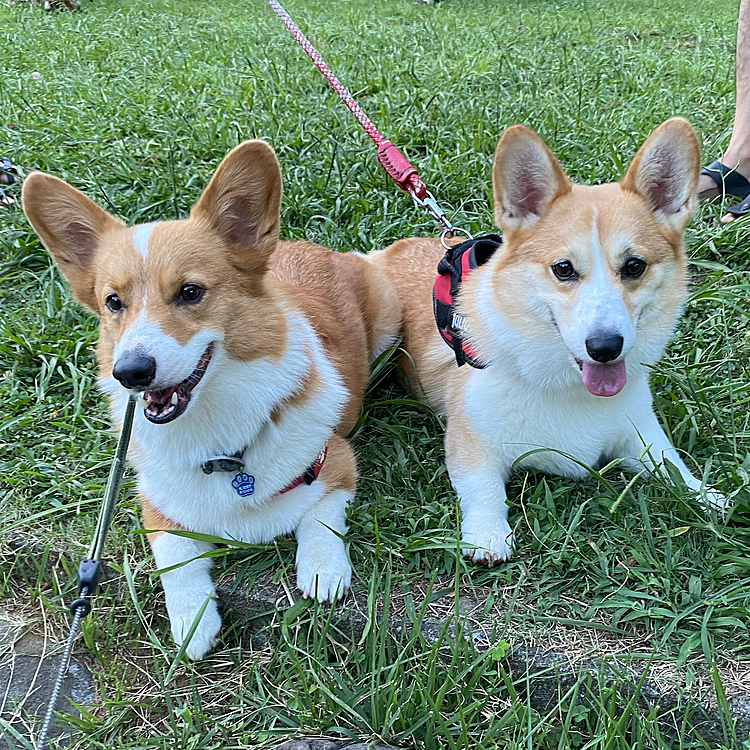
{"x": 520, "y": 157}
{"x": 528, "y": 255}
{"x": 65, "y": 219}
{"x": 229, "y": 246}
{"x": 412, "y": 264}
{"x": 339, "y": 471}
{"x": 309, "y": 385}
{"x": 155, "y": 521}
{"x": 334, "y": 292}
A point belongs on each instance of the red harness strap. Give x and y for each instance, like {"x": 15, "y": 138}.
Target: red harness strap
{"x": 454, "y": 267}
{"x": 311, "y": 473}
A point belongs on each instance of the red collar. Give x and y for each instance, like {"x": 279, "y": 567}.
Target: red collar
{"x": 311, "y": 473}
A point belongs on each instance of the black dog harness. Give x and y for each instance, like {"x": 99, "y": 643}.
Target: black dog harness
{"x": 458, "y": 261}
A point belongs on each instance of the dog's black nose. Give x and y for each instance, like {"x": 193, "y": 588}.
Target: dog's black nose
{"x": 134, "y": 369}
{"x": 604, "y": 347}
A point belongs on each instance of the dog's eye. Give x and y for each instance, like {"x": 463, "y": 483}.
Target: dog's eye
{"x": 113, "y": 303}
{"x": 191, "y": 292}
{"x": 564, "y": 270}
{"x": 633, "y": 268}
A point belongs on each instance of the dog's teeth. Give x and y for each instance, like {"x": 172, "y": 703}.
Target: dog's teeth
{"x": 174, "y": 399}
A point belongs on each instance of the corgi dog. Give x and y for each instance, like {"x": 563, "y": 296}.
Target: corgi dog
{"x": 579, "y": 298}
{"x": 250, "y": 357}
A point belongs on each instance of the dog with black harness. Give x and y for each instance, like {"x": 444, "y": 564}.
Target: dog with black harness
{"x": 559, "y": 321}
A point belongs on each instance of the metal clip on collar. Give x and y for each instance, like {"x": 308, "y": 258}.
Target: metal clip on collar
{"x": 433, "y": 209}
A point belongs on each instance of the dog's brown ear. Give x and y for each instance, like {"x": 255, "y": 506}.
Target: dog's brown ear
{"x": 665, "y": 173}
{"x": 242, "y": 203}
{"x": 526, "y": 178}
{"x": 71, "y": 227}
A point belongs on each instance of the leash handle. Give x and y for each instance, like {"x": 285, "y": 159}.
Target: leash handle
{"x": 396, "y": 165}
{"x": 107, "y": 510}
{"x": 89, "y": 570}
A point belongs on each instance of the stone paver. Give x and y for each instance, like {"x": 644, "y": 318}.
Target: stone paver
{"x": 28, "y": 669}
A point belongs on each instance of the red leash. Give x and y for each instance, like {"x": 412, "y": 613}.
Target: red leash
{"x": 392, "y": 160}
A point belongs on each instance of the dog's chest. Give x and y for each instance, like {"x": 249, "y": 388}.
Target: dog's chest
{"x": 215, "y": 504}
{"x": 549, "y": 430}
{"x": 244, "y": 504}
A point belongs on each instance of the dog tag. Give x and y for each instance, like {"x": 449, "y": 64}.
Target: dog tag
{"x": 244, "y": 484}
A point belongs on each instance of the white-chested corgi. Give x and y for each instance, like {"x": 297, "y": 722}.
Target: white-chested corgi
{"x": 581, "y": 296}
{"x": 250, "y": 357}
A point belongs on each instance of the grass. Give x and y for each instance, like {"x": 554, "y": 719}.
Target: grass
{"x": 136, "y": 103}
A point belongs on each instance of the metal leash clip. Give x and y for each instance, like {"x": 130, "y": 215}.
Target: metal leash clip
{"x": 430, "y": 204}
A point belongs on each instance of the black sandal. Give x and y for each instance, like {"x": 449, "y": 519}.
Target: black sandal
{"x": 8, "y": 173}
{"x": 740, "y": 209}
{"x": 728, "y": 180}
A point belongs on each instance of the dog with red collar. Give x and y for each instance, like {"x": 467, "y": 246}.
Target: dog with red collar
{"x": 250, "y": 357}
{"x": 551, "y": 329}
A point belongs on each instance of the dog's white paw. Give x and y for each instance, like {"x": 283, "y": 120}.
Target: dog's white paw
{"x": 181, "y": 618}
{"x": 324, "y": 573}
{"x": 490, "y": 545}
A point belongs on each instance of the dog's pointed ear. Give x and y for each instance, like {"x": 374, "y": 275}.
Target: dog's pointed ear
{"x": 70, "y": 226}
{"x": 526, "y": 178}
{"x": 242, "y": 202}
{"x": 665, "y": 173}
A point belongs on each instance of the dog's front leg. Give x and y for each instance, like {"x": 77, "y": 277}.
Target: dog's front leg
{"x": 646, "y": 446}
{"x": 323, "y": 569}
{"x": 188, "y": 587}
{"x": 479, "y": 478}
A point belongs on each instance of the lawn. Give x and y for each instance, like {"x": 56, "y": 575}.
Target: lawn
{"x": 135, "y": 102}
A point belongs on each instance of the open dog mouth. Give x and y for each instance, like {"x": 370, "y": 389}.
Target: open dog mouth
{"x": 603, "y": 380}
{"x": 168, "y": 404}
{"x": 600, "y": 379}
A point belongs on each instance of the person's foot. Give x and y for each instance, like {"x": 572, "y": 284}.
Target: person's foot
{"x": 708, "y": 187}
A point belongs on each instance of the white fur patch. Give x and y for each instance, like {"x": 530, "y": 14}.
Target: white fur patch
{"x": 323, "y": 569}
{"x": 174, "y": 362}
{"x": 187, "y": 589}
{"x": 140, "y": 238}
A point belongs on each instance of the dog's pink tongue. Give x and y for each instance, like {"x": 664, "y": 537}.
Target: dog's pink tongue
{"x": 604, "y": 380}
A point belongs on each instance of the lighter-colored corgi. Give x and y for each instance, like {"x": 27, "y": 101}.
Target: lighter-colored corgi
{"x": 251, "y": 358}
{"x": 581, "y": 296}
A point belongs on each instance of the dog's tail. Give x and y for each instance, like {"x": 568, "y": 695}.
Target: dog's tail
{"x": 380, "y": 304}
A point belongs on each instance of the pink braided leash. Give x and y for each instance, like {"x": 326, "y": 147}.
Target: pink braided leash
{"x": 392, "y": 160}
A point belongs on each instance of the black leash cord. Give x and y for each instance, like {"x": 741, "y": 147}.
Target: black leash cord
{"x": 89, "y": 570}
{"x": 60, "y": 677}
